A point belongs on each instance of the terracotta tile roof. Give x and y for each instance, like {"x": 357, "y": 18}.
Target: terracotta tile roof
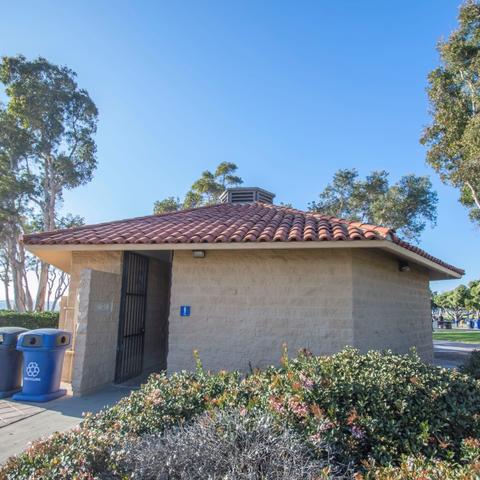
{"x": 228, "y": 223}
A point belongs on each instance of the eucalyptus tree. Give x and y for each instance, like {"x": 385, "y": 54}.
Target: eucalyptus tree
{"x": 453, "y": 137}
{"x": 15, "y": 187}
{"x": 57, "y": 120}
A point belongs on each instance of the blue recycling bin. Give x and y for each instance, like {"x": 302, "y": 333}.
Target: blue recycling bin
{"x": 10, "y": 361}
{"x": 478, "y": 323}
{"x": 472, "y": 323}
{"x": 43, "y": 351}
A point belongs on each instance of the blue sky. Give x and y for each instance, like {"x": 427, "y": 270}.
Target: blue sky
{"x": 290, "y": 91}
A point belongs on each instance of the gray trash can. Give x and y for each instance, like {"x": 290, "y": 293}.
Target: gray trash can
{"x": 11, "y": 361}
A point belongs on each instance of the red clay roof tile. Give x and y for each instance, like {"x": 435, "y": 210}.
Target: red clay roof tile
{"x": 226, "y": 223}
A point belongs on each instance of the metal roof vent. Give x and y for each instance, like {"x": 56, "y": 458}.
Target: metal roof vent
{"x": 246, "y": 195}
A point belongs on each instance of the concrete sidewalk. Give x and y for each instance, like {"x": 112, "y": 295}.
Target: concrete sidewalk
{"x": 452, "y": 354}
{"x": 58, "y": 415}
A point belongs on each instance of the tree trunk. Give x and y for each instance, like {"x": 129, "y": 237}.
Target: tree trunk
{"x": 42, "y": 287}
{"x": 23, "y": 271}
{"x": 48, "y": 210}
{"x": 16, "y": 267}
{"x": 6, "y": 280}
{"x": 62, "y": 285}
{"x": 476, "y": 199}
{"x": 28, "y": 295}
{"x": 54, "y": 304}
{"x": 6, "y": 284}
{"x": 18, "y": 292}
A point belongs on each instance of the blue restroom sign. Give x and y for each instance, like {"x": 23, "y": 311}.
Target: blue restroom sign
{"x": 185, "y": 311}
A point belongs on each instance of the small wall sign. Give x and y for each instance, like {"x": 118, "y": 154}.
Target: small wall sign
{"x": 103, "y": 307}
{"x": 185, "y": 311}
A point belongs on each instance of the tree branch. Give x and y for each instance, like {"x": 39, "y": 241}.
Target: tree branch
{"x": 476, "y": 199}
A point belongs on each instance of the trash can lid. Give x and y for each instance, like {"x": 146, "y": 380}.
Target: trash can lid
{"x": 13, "y": 330}
{"x": 46, "y": 331}
{"x": 8, "y": 335}
{"x": 44, "y": 337}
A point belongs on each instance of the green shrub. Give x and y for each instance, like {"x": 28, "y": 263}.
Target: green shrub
{"x": 369, "y": 408}
{"x": 88, "y": 450}
{"x": 420, "y": 468}
{"x": 472, "y": 365}
{"x": 30, "y": 320}
{"x": 379, "y": 406}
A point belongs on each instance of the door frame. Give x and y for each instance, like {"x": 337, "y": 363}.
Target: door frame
{"x": 127, "y": 364}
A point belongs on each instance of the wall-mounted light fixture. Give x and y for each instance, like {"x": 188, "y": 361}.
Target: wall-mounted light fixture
{"x": 403, "y": 266}
{"x": 198, "y": 253}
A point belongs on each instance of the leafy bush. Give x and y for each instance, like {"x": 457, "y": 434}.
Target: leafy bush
{"x": 419, "y": 468}
{"x": 368, "y": 408}
{"x": 472, "y": 365}
{"x": 30, "y": 320}
{"x": 89, "y": 449}
{"x": 379, "y": 406}
{"x": 232, "y": 445}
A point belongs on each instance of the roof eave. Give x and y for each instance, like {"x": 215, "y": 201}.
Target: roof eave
{"x": 437, "y": 271}
{"x": 60, "y": 255}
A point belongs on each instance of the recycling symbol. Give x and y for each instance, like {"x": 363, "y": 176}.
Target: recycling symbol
{"x": 33, "y": 369}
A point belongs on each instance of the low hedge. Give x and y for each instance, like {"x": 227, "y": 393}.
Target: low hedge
{"x": 30, "y": 320}
{"x": 379, "y": 412}
{"x": 420, "y": 468}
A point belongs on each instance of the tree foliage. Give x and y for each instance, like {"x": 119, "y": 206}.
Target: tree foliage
{"x": 169, "y": 204}
{"x": 47, "y": 145}
{"x": 15, "y": 188}
{"x": 405, "y": 206}
{"x": 453, "y": 138}
{"x": 460, "y": 303}
{"x": 204, "y": 191}
{"x": 472, "y": 301}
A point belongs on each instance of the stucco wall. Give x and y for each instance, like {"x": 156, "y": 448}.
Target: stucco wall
{"x": 156, "y": 315}
{"x": 391, "y": 309}
{"x": 101, "y": 261}
{"x": 245, "y": 304}
{"x": 81, "y": 320}
{"x": 97, "y": 332}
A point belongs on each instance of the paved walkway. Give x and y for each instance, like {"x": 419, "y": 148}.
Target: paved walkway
{"x": 11, "y": 412}
{"x": 452, "y": 354}
{"x": 55, "y": 416}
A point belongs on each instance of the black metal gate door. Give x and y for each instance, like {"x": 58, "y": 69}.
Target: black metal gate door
{"x": 132, "y": 317}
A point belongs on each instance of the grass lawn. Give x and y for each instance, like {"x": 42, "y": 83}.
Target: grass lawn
{"x": 456, "y": 336}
